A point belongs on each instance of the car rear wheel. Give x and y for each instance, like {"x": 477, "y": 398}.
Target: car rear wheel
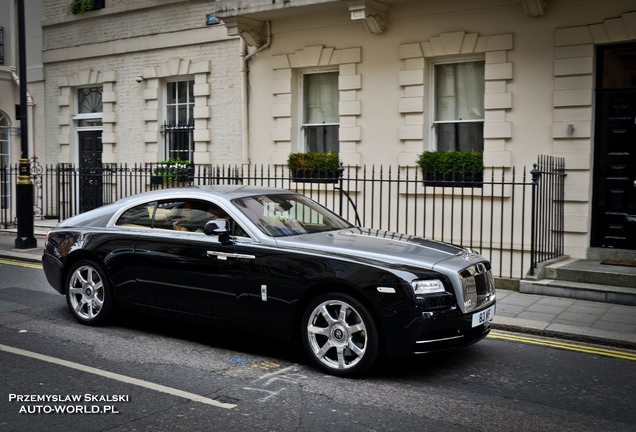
{"x": 340, "y": 335}
{"x": 88, "y": 293}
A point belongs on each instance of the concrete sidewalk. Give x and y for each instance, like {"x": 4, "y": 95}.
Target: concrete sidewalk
{"x": 580, "y": 320}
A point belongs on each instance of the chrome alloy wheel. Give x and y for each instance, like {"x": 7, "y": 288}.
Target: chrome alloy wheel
{"x": 337, "y": 335}
{"x": 86, "y": 292}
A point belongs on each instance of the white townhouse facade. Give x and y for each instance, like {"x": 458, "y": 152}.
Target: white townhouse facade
{"x": 513, "y": 78}
{"x": 251, "y": 81}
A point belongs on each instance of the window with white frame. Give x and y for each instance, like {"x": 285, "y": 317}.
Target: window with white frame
{"x": 459, "y": 106}
{"x": 89, "y": 107}
{"x": 320, "y": 116}
{"x": 179, "y": 120}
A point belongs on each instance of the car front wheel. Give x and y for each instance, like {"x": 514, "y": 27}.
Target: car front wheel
{"x": 340, "y": 335}
{"x": 88, "y": 294}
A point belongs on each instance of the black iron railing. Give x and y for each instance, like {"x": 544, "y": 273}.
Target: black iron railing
{"x": 548, "y": 216}
{"x": 178, "y": 140}
{"x": 513, "y": 217}
{"x": 1, "y": 45}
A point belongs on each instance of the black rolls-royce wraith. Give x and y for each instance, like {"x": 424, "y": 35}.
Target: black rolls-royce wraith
{"x": 275, "y": 262}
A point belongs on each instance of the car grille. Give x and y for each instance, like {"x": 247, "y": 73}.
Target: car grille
{"x": 478, "y": 285}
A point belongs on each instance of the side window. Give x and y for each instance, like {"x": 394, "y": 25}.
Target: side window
{"x": 459, "y": 106}
{"x": 176, "y": 215}
{"x": 139, "y": 216}
{"x": 193, "y": 215}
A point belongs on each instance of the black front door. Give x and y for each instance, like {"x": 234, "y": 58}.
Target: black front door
{"x": 614, "y": 205}
{"x": 90, "y": 170}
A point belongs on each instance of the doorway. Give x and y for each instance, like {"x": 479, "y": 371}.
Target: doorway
{"x": 614, "y": 191}
{"x": 91, "y": 185}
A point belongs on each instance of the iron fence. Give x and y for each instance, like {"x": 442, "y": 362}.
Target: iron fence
{"x": 513, "y": 217}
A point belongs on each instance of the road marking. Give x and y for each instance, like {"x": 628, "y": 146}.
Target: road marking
{"x": 118, "y": 377}
{"x": 22, "y": 264}
{"x": 566, "y": 346}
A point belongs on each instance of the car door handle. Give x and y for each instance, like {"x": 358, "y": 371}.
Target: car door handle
{"x": 225, "y": 255}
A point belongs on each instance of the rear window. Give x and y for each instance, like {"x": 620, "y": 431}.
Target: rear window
{"x": 138, "y": 216}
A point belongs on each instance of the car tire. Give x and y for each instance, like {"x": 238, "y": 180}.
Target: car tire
{"x": 340, "y": 335}
{"x": 88, "y": 293}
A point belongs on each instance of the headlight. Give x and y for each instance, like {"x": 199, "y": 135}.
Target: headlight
{"x": 423, "y": 287}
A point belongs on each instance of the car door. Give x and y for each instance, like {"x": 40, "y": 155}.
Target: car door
{"x": 181, "y": 269}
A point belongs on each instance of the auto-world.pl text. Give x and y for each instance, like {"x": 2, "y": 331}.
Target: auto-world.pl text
{"x": 68, "y": 404}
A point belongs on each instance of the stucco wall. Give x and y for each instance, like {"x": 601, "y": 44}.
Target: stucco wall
{"x": 521, "y": 87}
{"x": 539, "y": 80}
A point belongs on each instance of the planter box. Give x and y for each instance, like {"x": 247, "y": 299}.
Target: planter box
{"x": 157, "y": 182}
{"x": 315, "y": 177}
{"x": 453, "y": 180}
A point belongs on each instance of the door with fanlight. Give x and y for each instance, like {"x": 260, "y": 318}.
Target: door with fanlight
{"x": 88, "y": 123}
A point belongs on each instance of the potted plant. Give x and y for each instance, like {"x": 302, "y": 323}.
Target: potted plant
{"x": 80, "y": 7}
{"x": 452, "y": 168}
{"x": 171, "y": 171}
{"x": 314, "y": 167}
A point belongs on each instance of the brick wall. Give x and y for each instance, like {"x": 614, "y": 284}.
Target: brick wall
{"x": 125, "y": 127}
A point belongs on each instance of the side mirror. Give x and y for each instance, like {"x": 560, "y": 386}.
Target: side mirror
{"x": 220, "y": 227}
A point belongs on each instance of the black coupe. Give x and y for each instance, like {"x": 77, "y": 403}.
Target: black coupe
{"x": 272, "y": 262}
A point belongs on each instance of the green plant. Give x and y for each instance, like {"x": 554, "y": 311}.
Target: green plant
{"x": 82, "y": 6}
{"x": 458, "y": 163}
{"x": 313, "y": 162}
{"x": 172, "y": 170}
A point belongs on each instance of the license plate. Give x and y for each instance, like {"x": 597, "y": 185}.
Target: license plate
{"x": 484, "y": 316}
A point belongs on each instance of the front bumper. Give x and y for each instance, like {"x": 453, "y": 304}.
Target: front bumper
{"x": 439, "y": 331}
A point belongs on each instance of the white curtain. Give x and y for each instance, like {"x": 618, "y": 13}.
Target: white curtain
{"x": 459, "y": 91}
{"x": 321, "y": 98}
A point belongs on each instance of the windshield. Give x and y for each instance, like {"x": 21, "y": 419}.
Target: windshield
{"x": 288, "y": 215}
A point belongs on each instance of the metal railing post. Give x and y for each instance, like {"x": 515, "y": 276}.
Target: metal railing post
{"x": 536, "y": 178}
{"x": 341, "y": 181}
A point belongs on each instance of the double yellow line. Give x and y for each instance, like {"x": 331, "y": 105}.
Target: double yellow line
{"x": 563, "y": 345}
{"x": 22, "y": 264}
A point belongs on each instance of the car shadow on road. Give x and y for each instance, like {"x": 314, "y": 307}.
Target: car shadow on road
{"x": 429, "y": 366}
{"x": 212, "y": 336}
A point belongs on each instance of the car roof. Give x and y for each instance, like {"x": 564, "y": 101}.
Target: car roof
{"x": 227, "y": 192}
{"x": 219, "y": 193}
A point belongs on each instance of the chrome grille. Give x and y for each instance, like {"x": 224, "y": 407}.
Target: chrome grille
{"x": 478, "y": 285}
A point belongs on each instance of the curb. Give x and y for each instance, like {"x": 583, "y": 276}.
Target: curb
{"x": 562, "y": 331}
{"x": 26, "y": 255}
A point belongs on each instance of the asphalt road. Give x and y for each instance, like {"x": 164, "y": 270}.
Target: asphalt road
{"x": 150, "y": 374}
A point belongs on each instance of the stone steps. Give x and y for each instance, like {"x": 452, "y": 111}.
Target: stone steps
{"x": 586, "y": 280}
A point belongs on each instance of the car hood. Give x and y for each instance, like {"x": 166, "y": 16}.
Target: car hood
{"x": 384, "y": 246}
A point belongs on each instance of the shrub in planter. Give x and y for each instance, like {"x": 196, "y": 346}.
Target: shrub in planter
{"x": 452, "y": 168}
{"x": 314, "y": 167}
{"x": 82, "y": 6}
{"x": 171, "y": 171}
